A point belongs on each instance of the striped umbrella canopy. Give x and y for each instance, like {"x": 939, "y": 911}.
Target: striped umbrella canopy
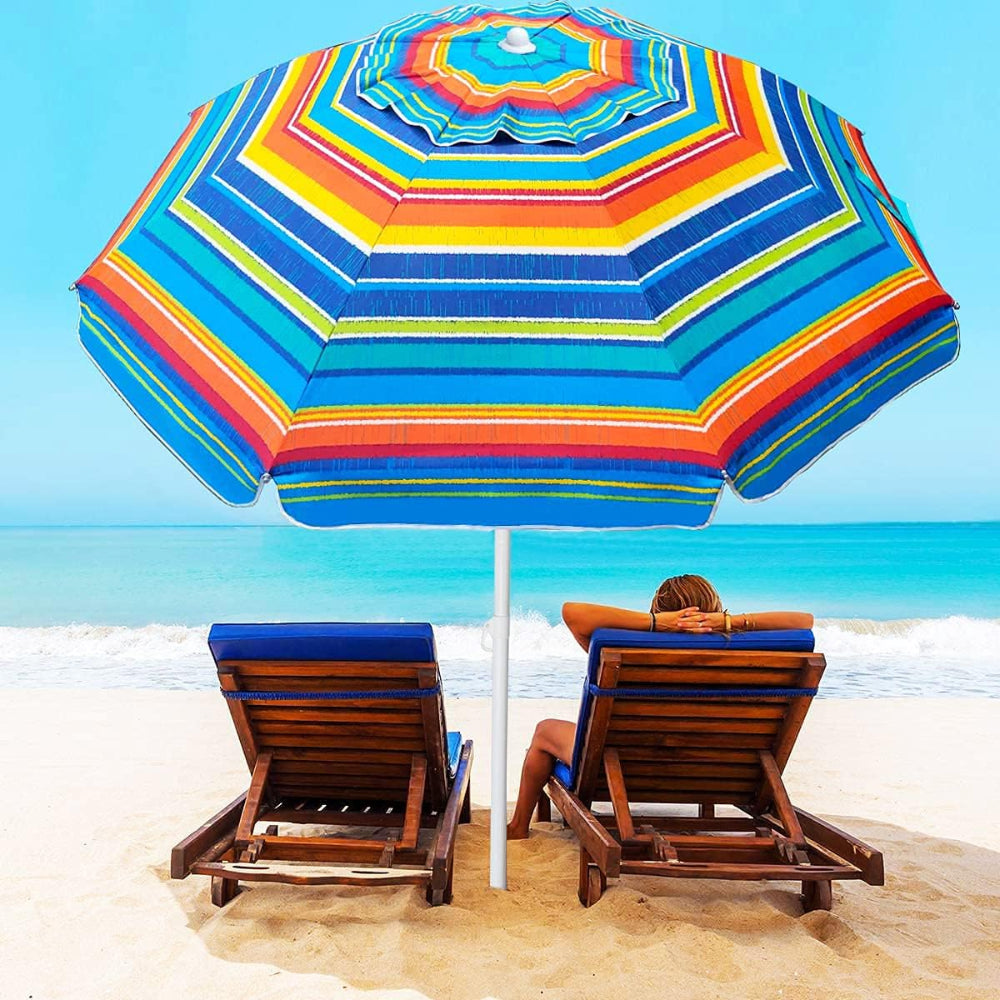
{"x": 530, "y": 267}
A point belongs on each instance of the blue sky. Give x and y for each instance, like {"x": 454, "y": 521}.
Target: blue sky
{"x": 97, "y": 92}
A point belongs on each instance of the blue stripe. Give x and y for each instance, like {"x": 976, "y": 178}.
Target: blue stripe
{"x": 680, "y": 693}
{"x": 194, "y": 451}
{"x": 387, "y": 695}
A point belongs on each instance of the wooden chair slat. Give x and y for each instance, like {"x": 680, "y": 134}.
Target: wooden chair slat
{"x": 730, "y": 709}
{"x": 349, "y": 755}
{"x": 270, "y": 712}
{"x": 342, "y": 731}
{"x": 297, "y": 683}
{"x": 705, "y": 676}
{"x": 673, "y": 724}
{"x": 325, "y": 669}
{"x": 316, "y": 742}
{"x": 285, "y": 766}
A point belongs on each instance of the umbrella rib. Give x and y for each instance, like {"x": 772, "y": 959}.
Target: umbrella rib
{"x": 360, "y": 276}
{"x": 635, "y": 270}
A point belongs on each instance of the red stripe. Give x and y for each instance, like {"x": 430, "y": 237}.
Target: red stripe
{"x": 180, "y": 370}
{"x": 663, "y": 455}
{"x": 752, "y": 424}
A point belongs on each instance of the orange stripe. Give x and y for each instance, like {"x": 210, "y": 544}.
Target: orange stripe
{"x": 347, "y": 186}
{"x": 415, "y": 433}
{"x": 694, "y": 439}
{"x": 197, "y": 117}
{"x": 814, "y": 357}
{"x": 180, "y": 344}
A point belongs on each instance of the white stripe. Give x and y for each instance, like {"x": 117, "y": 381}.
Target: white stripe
{"x": 412, "y": 195}
{"x": 293, "y": 127}
{"x": 486, "y": 422}
{"x": 253, "y": 206}
{"x": 342, "y": 231}
{"x": 772, "y": 371}
{"x": 493, "y": 248}
{"x": 652, "y": 336}
{"x": 491, "y": 282}
{"x": 228, "y": 373}
{"x": 249, "y": 275}
{"x": 555, "y": 320}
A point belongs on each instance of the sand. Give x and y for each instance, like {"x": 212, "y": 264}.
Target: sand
{"x": 99, "y": 785}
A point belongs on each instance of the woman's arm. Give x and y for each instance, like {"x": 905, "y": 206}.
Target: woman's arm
{"x": 756, "y": 621}
{"x": 583, "y": 619}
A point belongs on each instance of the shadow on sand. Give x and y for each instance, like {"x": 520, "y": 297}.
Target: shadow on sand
{"x": 933, "y": 931}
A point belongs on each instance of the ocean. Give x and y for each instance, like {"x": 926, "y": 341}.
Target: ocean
{"x": 902, "y": 609}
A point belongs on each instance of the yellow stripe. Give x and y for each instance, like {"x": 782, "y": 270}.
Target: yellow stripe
{"x": 191, "y": 417}
{"x": 631, "y": 229}
{"x": 377, "y": 167}
{"x": 245, "y": 375}
{"x": 477, "y": 410}
{"x": 501, "y": 493}
{"x": 833, "y": 402}
{"x": 609, "y": 483}
{"x": 305, "y": 186}
{"x": 774, "y": 357}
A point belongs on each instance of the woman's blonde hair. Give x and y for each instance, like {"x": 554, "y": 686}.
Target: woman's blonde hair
{"x": 686, "y": 591}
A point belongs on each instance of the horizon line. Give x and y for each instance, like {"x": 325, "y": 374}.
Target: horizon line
{"x": 447, "y": 527}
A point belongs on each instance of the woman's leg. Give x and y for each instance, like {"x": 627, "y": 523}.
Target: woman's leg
{"x": 553, "y": 738}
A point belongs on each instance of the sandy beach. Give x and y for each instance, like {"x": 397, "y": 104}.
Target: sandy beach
{"x": 101, "y": 784}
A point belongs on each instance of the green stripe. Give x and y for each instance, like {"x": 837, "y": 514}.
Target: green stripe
{"x": 496, "y": 327}
{"x": 241, "y": 475}
{"x": 530, "y": 358}
{"x": 561, "y": 495}
{"x": 847, "y": 406}
{"x": 247, "y": 262}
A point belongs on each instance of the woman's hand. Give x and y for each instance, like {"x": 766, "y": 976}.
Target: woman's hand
{"x": 686, "y": 620}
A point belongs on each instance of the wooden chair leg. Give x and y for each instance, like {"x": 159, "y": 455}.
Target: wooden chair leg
{"x": 224, "y": 890}
{"x": 817, "y": 895}
{"x": 544, "y": 813}
{"x": 465, "y": 816}
{"x": 439, "y": 888}
{"x": 593, "y": 881}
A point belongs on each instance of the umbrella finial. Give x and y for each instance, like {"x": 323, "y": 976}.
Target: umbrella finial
{"x": 518, "y": 41}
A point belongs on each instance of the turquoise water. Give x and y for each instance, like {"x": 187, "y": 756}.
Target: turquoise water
{"x": 901, "y": 608}
{"x": 137, "y": 576}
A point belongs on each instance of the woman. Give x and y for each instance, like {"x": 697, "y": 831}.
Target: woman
{"x": 681, "y": 604}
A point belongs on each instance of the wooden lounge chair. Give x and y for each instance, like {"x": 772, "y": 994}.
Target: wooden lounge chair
{"x": 342, "y": 725}
{"x": 707, "y": 720}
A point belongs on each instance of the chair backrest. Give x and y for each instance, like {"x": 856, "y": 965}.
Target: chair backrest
{"x": 689, "y": 714}
{"x": 341, "y": 707}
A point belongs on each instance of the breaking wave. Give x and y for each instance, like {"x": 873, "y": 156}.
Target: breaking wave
{"x": 866, "y": 658}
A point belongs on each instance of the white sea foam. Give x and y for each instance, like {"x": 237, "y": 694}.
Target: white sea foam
{"x": 941, "y": 656}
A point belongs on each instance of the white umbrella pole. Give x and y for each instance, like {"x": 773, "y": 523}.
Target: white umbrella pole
{"x": 498, "y": 751}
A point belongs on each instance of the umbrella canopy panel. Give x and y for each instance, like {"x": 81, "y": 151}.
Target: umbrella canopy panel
{"x": 534, "y": 267}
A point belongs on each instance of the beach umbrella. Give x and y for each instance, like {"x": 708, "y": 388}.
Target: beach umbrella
{"x": 536, "y": 267}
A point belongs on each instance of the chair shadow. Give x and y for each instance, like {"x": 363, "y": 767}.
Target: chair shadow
{"x": 933, "y": 930}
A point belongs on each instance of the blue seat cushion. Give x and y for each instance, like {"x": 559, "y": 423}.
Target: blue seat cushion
{"x": 352, "y": 641}
{"x": 401, "y": 643}
{"x": 790, "y": 641}
{"x": 563, "y": 773}
{"x": 454, "y": 750}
